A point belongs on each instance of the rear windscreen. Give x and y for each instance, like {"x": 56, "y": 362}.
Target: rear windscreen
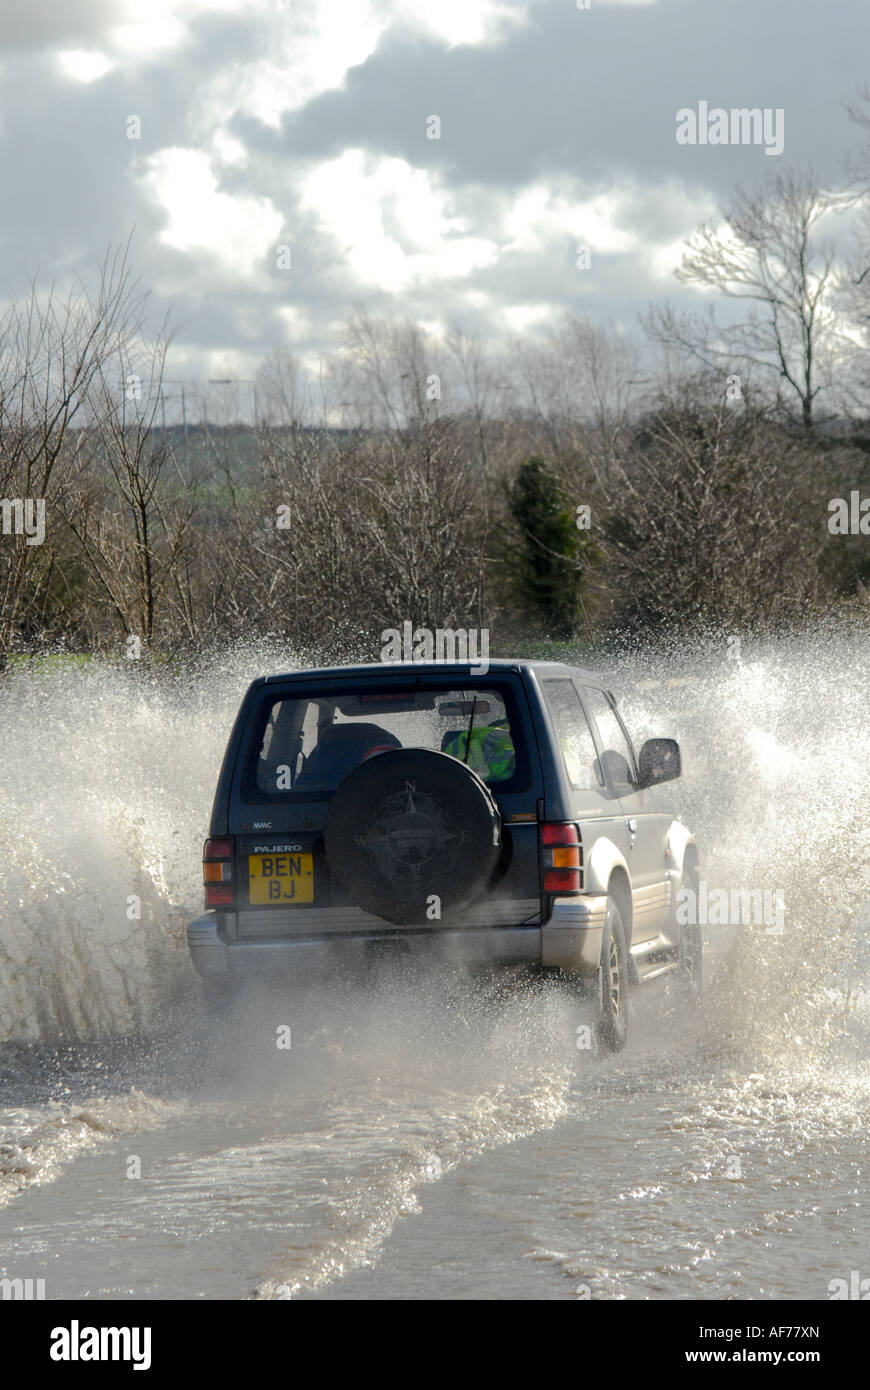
{"x": 305, "y": 745}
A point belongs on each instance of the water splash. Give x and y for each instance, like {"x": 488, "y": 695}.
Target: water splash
{"x": 108, "y": 779}
{"x": 776, "y": 790}
{"x": 109, "y": 774}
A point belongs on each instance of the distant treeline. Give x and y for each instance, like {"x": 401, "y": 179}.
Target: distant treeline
{"x": 546, "y": 490}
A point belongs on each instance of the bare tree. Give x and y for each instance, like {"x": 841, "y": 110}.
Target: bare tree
{"x": 130, "y": 525}
{"x": 769, "y": 256}
{"x": 52, "y": 349}
{"x": 715, "y": 517}
{"x": 281, "y": 393}
{"x": 391, "y": 374}
{"x": 854, "y": 297}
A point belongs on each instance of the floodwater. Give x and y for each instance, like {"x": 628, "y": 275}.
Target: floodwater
{"x": 428, "y": 1137}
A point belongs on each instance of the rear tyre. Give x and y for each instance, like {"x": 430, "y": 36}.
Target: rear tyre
{"x": 613, "y": 1015}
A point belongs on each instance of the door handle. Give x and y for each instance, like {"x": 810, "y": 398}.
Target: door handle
{"x": 632, "y": 826}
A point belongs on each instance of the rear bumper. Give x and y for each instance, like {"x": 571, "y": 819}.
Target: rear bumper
{"x": 570, "y": 940}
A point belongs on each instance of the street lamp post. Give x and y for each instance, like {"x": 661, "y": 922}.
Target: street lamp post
{"x": 175, "y": 381}
{"x": 238, "y": 381}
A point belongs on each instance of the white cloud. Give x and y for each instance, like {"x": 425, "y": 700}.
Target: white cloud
{"x": 521, "y": 317}
{"x": 374, "y": 223}
{"x": 141, "y": 33}
{"x": 228, "y": 151}
{"x": 313, "y": 44}
{"x": 539, "y": 217}
{"x": 664, "y": 259}
{"x": 390, "y": 222}
{"x": 458, "y": 21}
{"x": 434, "y": 328}
{"x": 234, "y": 230}
{"x": 312, "y": 48}
{"x": 295, "y": 322}
{"x": 83, "y": 65}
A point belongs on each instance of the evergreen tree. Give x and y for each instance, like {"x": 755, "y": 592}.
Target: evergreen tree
{"x": 553, "y": 555}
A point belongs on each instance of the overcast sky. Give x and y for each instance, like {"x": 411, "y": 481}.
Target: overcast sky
{"x": 303, "y": 125}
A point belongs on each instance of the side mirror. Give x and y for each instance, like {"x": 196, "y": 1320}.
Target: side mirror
{"x": 659, "y": 762}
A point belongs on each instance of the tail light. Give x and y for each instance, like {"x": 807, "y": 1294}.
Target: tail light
{"x": 217, "y": 872}
{"x": 561, "y": 857}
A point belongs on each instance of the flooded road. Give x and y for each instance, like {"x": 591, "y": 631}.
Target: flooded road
{"x": 489, "y": 1164}
{"x": 426, "y": 1138}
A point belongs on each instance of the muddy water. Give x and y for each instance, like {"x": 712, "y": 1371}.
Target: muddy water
{"x": 426, "y": 1139}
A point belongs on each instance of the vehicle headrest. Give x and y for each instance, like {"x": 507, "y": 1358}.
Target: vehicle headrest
{"x": 357, "y": 733}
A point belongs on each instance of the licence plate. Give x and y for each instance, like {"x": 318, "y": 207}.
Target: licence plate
{"x": 280, "y": 878}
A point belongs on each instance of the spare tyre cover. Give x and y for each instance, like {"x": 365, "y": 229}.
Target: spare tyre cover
{"x": 410, "y": 824}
